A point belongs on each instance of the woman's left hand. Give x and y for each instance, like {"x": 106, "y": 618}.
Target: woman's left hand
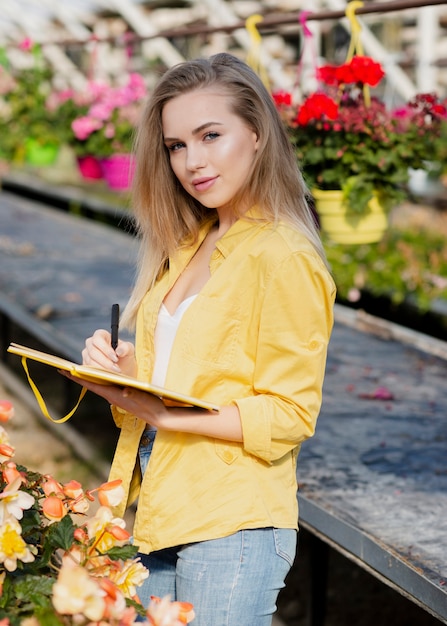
{"x": 140, "y": 403}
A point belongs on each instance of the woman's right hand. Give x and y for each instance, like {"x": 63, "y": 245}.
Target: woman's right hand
{"x": 98, "y": 352}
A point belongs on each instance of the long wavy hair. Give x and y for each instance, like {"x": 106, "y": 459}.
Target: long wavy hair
{"x": 166, "y": 216}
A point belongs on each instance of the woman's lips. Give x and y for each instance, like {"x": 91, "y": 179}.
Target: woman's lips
{"x": 203, "y": 184}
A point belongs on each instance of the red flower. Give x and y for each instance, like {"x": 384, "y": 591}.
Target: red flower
{"x": 328, "y": 74}
{"x": 361, "y": 70}
{"x": 282, "y": 98}
{"x": 317, "y": 106}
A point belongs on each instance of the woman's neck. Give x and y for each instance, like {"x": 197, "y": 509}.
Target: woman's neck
{"x": 226, "y": 218}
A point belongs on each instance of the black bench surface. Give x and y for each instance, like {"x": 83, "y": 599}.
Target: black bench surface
{"x": 60, "y": 274}
{"x": 373, "y": 480}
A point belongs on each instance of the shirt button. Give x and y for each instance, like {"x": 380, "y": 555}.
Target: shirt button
{"x": 144, "y": 440}
{"x": 228, "y": 456}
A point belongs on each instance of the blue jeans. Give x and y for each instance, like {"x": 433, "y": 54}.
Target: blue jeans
{"x": 145, "y": 449}
{"x": 232, "y": 581}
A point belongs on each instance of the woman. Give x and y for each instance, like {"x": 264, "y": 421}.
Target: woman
{"x": 233, "y": 304}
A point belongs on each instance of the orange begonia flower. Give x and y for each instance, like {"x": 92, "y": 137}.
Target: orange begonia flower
{"x": 10, "y": 473}
{"x": 111, "y": 493}
{"x": 53, "y": 508}
{"x": 51, "y": 487}
{"x": 121, "y": 534}
{"x": 6, "y": 451}
{"x": 80, "y": 535}
{"x": 6, "y": 410}
{"x": 72, "y": 489}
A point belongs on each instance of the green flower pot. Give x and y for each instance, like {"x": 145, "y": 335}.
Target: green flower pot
{"x": 37, "y": 153}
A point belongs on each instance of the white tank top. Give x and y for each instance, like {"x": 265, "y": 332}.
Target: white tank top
{"x": 165, "y": 333}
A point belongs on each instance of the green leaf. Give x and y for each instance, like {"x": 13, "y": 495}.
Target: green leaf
{"x": 122, "y": 552}
{"x": 47, "y": 617}
{"x": 34, "y": 589}
{"x": 61, "y": 534}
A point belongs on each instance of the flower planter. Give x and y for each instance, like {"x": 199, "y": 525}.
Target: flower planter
{"x": 39, "y": 154}
{"x": 344, "y": 226}
{"x": 89, "y": 167}
{"x": 118, "y": 170}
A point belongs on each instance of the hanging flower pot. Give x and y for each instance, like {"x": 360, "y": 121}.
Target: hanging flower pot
{"x": 118, "y": 170}
{"x": 40, "y": 154}
{"x": 89, "y": 167}
{"x": 346, "y": 226}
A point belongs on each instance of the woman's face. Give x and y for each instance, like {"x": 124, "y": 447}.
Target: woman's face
{"x": 211, "y": 149}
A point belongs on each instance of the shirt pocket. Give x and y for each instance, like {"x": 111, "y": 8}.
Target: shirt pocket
{"x": 227, "y": 453}
{"x": 212, "y": 332}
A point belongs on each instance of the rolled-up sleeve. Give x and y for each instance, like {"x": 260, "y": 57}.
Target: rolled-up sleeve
{"x": 294, "y": 330}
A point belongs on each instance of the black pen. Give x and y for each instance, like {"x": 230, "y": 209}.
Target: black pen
{"x": 114, "y": 324}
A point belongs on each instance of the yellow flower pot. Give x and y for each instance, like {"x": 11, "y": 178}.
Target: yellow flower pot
{"x": 344, "y": 226}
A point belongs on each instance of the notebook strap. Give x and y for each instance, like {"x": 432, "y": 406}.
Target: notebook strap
{"x": 41, "y": 401}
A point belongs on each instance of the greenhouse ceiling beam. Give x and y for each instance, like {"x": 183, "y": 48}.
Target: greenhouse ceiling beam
{"x": 66, "y": 16}
{"x": 220, "y": 12}
{"x": 141, "y": 23}
{"x": 428, "y": 30}
{"x": 269, "y": 22}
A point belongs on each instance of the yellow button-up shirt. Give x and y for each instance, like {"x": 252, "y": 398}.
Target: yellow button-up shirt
{"x": 255, "y": 336}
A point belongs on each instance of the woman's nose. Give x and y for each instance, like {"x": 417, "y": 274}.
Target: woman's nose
{"x": 195, "y": 157}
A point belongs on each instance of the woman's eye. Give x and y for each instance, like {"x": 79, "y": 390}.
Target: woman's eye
{"x": 173, "y": 147}
{"x": 211, "y": 135}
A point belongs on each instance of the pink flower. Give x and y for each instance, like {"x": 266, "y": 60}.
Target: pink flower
{"x": 26, "y": 44}
{"x": 83, "y": 127}
{"x": 101, "y": 111}
{"x": 109, "y": 131}
{"x": 138, "y": 86}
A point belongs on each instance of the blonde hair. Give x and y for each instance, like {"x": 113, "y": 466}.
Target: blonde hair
{"x": 166, "y": 215}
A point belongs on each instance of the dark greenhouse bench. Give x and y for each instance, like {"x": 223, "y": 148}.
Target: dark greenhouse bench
{"x": 373, "y": 480}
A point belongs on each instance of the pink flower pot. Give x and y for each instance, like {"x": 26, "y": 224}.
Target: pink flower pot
{"x": 118, "y": 170}
{"x": 89, "y": 167}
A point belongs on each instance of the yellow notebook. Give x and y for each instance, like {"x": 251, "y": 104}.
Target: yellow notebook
{"x": 84, "y": 372}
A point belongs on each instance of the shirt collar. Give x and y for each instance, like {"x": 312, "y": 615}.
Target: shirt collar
{"x": 226, "y": 244}
{"x": 237, "y": 232}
